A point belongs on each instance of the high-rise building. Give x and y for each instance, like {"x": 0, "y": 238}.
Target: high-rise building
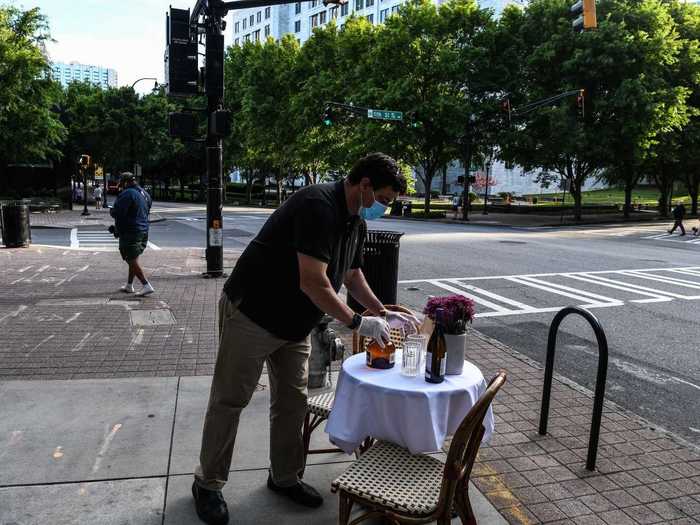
{"x": 301, "y": 18}
{"x": 75, "y": 72}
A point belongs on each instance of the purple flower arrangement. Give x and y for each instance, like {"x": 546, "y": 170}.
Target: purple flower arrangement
{"x": 459, "y": 311}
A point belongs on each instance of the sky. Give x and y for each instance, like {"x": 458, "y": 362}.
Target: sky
{"x": 125, "y": 35}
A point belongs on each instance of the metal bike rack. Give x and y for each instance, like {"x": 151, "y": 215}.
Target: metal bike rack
{"x": 600, "y": 381}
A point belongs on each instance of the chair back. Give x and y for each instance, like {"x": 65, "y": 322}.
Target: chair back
{"x": 360, "y": 342}
{"x": 466, "y": 442}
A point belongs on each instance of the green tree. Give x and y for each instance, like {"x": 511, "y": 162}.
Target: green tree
{"x": 29, "y": 127}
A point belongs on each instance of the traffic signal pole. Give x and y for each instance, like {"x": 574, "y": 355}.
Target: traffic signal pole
{"x": 208, "y": 15}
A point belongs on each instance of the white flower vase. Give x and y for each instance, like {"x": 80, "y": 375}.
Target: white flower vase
{"x": 456, "y": 347}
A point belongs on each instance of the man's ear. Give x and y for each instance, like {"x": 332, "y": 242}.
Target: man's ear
{"x": 365, "y": 183}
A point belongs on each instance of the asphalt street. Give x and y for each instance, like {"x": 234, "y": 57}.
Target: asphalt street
{"x": 642, "y": 284}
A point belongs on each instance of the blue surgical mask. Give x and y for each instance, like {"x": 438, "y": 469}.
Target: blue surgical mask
{"x": 375, "y": 211}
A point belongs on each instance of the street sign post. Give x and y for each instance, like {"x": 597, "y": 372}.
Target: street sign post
{"x": 383, "y": 114}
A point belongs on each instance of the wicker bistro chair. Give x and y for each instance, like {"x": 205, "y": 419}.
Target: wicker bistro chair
{"x": 319, "y": 406}
{"x": 403, "y": 488}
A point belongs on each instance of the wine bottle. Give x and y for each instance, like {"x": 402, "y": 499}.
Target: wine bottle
{"x": 378, "y": 357}
{"x": 436, "y": 355}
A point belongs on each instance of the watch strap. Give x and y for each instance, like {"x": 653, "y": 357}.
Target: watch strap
{"x": 356, "y": 322}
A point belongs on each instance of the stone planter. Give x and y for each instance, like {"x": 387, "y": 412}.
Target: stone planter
{"x": 456, "y": 347}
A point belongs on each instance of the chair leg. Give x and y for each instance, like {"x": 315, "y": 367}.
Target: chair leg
{"x": 463, "y": 506}
{"x": 306, "y": 439}
{"x": 345, "y": 506}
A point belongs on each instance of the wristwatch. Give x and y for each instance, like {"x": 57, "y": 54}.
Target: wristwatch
{"x": 356, "y": 322}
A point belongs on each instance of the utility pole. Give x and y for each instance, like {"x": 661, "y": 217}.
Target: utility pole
{"x": 486, "y": 191}
{"x": 468, "y": 135}
{"x": 84, "y": 163}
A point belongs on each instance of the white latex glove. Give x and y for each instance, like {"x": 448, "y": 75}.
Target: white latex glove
{"x": 376, "y": 328}
{"x": 409, "y": 322}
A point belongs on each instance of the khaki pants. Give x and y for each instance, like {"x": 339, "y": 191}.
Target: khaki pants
{"x": 243, "y": 349}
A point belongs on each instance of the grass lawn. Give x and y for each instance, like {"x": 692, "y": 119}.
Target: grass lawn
{"x": 644, "y": 195}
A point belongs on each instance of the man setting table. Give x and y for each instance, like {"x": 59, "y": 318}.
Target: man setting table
{"x": 283, "y": 283}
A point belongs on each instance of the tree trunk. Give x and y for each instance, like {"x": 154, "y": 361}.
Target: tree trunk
{"x": 444, "y": 180}
{"x": 279, "y": 180}
{"x": 576, "y": 194}
{"x": 629, "y": 186}
{"x": 427, "y": 179}
{"x": 248, "y": 188}
{"x": 692, "y": 183}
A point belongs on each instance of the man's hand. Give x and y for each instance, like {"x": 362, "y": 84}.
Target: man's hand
{"x": 397, "y": 319}
{"x": 376, "y": 328}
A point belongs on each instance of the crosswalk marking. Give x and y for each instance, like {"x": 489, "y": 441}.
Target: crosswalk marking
{"x": 492, "y": 304}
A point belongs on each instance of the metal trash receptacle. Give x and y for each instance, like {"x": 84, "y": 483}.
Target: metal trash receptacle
{"x": 380, "y": 266}
{"x": 14, "y": 220}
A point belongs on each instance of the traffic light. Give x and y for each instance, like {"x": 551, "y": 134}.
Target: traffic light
{"x": 581, "y": 103}
{"x": 181, "y": 58}
{"x": 182, "y": 125}
{"x": 84, "y": 161}
{"x": 584, "y": 11}
{"x": 328, "y": 116}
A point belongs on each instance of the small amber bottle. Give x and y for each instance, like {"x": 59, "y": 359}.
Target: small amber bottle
{"x": 378, "y": 357}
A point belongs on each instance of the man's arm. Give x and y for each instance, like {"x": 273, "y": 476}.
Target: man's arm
{"x": 314, "y": 282}
{"x": 357, "y": 285}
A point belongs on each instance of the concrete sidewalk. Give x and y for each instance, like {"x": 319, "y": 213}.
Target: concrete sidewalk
{"x": 70, "y": 448}
{"x": 123, "y": 451}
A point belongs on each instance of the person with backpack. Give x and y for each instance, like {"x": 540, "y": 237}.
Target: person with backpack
{"x": 678, "y": 216}
{"x": 130, "y": 212}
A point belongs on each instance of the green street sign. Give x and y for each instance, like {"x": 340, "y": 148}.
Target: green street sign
{"x": 382, "y": 114}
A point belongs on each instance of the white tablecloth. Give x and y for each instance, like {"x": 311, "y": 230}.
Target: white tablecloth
{"x": 404, "y": 410}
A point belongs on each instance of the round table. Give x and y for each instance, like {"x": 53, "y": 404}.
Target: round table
{"x": 408, "y": 411}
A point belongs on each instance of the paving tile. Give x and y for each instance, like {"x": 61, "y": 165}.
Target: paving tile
{"x": 529, "y": 495}
{"x": 519, "y": 515}
{"x": 597, "y": 503}
{"x": 666, "y": 510}
{"x": 616, "y": 517}
{"x": 621, "y": 498}
{"x": 643, "y": 514}
{"x": 573, "y": 508}
{"x": 686, "y": 504}
{"x": 547, "y": 512}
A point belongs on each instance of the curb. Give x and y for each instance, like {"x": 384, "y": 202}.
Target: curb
{"x": 550, "y": 225}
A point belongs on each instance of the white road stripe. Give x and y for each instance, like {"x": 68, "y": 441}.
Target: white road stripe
{"x": 667, "y": 280}
{"x": 655, "y": 297}
{"x": 474, "y": 298}
{"x": 492, "y": 295}
{"x": 153, "y": 246}
{"x": 74, "y": 238}
{"x": 585, "y": 295}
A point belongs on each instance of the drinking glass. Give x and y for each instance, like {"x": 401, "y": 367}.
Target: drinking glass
{"x": 412, "y": 355}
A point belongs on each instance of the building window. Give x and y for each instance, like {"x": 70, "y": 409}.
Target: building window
{"x": 297, "y": 8}
{"x": 259, "y": 17}
{"x": 370, "y": 3}
{"x": 252, "y": 19}
{"x": 246, "y": 38}
{"x": 267, "y": 30}
{"x": 314, "y": 3}
{"x": 359, "y": 5}
{"x": 370, "y": 19}
{"x": 245, "y": 23}
{"x": 237, "y": 27}
{"x": 344, "y": 9}
{"x": 334, "y": 12}
{"x": 267, "y": 13}
{"x": 383, "y": 14}
{"x": 314, "y": 21}
{"x": 236, "y": 41}
{"x": 256, "y": 36}
{"x": 395, "y": 9}
{"x": 297, "y": 26}
{"x": 322, "y": 17}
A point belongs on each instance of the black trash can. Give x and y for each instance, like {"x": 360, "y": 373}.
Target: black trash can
{"x": 14, "y": 219}
{"x": 381, "y": 266}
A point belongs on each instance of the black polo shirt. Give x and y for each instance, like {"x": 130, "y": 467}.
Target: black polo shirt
{"x": 314, "y": 221}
